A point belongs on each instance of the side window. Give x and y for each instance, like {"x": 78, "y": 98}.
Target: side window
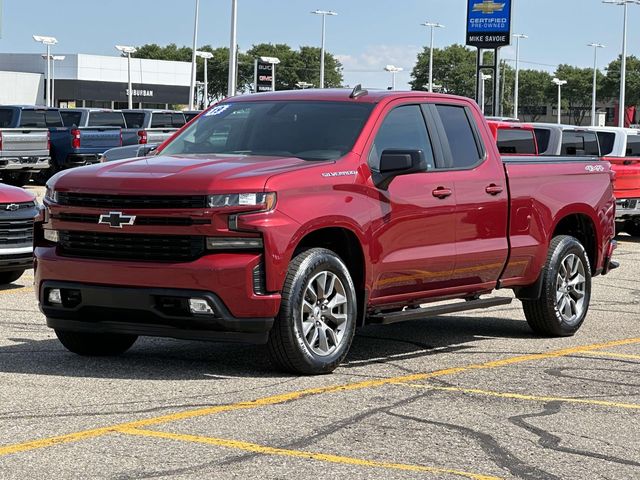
{"x": 402, "y": 129}
{"x": 71, "y": 118}
{"x": 543, "y": 136}
{"x": 579, "y": 143}
{"x": 607, "y": 140}
{"x": 134, "y": 120}
{"x": 516, "y": 141}
{"x": 633, "y": 146}
{"x": 460, "y": 136}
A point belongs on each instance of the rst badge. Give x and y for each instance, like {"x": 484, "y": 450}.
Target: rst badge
{"x": 116, "y": 219}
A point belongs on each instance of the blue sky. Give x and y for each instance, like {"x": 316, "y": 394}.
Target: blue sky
{"x": 367, "y": 34}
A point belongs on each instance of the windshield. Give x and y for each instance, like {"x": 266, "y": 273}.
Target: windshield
{"x": 307, "y": 130}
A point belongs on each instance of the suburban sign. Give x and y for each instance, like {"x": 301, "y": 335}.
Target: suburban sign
{"x": 488, "y": 23}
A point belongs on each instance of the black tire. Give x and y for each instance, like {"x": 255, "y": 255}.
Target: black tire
{"x": 545, "y": 315}
{"x": 632, "y": 227}
{"x": 17, "y": 179}
{"x": 96, "y": 344}
{"x": 289, "y": 348}
{"x": 10, "y": 277}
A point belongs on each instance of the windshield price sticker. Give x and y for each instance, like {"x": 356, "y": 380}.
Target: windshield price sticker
{"x": 217, "y": 110}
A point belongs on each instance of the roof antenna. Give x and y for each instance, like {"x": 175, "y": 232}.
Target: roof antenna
{"x": 358, "y": 92}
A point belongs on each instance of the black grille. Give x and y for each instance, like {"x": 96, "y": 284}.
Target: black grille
{"x": 142, "y": 221}
{"x": 16, "y": 233}
{"x": 131, "y": 201}
{"x": 156, "y": 248}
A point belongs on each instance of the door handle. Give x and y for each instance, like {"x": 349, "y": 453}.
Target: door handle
{"x": 494, "y": 189}
{"x": 442, "y": 193}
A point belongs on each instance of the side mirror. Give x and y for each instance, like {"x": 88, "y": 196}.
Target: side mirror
{"x": 394, "y": 163}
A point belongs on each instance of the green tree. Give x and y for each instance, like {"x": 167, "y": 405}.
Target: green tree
{"x": 534, "y": 93}
{"x": 577, "y": 93}
{"x": 454, "y": 68}
{"x": 610, "y": 86}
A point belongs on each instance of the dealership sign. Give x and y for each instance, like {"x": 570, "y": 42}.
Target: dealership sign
{"x": 141, "y": 93}
{"x": 264, "y": 76}
{"x": 488, "y": 23}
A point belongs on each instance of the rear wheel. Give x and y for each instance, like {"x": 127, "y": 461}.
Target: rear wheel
{"x": 314, "y": 329}
{"x": 10, "y": 277}
{"x": 566, "y": 290}
{"x": 632, "y": 227}
{"x": 17, "y": 179}
{"x": 95, "y": 344}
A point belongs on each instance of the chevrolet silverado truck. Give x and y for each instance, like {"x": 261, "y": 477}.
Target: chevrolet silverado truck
{"x": 291, "y": 218}
{"x": 24, "y": 145}
{"x": 153, "y": 126}
{"x": 99, "y": 117}
{"x": 18, "y": 209}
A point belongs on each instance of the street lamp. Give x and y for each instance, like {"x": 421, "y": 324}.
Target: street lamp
{"x": 483, "y": 78}
{"x": 623, "y": 66}
{"x": 559, "y": 83}
{"x": 48, "y": 42}
{"x": 394, "y": 70}
{"x": 324, "y": 14}
{"x": 432, "y": 26}
{"x": 192, "y": 85}
{"x": 206, "y": 56}
{"x": 233, "y": 50}
{"x": 128, "y": 51}
{"x": 516, "y": 97}
{"x": 54, "y": 59}
{"x": 595, "y": 46}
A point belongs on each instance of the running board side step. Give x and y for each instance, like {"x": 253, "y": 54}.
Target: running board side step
{"x": 422, "y": 313}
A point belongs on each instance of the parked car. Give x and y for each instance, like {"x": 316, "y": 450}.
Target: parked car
{"x": 621, "y": 147}
{"x": 24, "y": 144}
{"x": 97, "y": 117}
{"x": 18, "y": 209}
{"x": 290, "y": 218}
{"x": 514, "y": 138}
{"x": 154, "y": 126}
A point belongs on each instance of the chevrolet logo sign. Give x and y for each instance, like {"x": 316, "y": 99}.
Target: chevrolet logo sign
{"x": 488, "y": 7}
{"x": 13, "y": 207}
{"x": 116, "y": 219}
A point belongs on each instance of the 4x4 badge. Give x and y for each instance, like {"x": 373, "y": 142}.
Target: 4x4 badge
{"x": 116, "y": 219}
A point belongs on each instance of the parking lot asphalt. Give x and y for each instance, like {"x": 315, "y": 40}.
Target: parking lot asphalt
{"x": 470, "y": 396}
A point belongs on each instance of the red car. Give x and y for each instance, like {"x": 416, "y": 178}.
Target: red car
{"x": 18, "y": 208}
{"x": 291, "y": 218}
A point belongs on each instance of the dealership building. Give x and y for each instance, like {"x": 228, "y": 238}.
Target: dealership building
{"x": 94, "y": 81}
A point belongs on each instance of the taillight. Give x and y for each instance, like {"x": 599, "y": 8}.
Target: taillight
{"x": 142, "y": 137}
{"x": 75, "y": 138}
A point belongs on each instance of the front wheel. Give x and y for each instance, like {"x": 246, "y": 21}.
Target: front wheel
{"x": 316, "y": 323}
{"x": 96, "y": 344}
{"x": 566, "y": 290}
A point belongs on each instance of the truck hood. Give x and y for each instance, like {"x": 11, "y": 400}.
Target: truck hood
{"x": 179, "y": 175}
{"x": 10, "y": 194}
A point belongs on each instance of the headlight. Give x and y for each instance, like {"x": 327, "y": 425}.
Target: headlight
{"x": 265, "y": 200}
{"x": 51, "y": 195}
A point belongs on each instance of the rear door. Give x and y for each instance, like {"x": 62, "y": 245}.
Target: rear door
{"x": 479, "y": 181}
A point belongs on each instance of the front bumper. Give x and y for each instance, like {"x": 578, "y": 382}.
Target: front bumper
{"x": 627, "y": 208}
{"x": 146, "y": 311}
{"x": 27, "y": 164}
{"x": 15, "y": 259}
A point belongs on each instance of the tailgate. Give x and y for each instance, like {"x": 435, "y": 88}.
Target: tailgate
{"x": 159, "y": 135}
{"x": 627, "y": 182}
{"x": 100, "y": 137}
{"x": 24, "y": 140}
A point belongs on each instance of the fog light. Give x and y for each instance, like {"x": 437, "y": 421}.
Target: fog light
{"x": 51, "y": 236}
{"x": 200, "y": 306}
{"x": 55, "y": 296}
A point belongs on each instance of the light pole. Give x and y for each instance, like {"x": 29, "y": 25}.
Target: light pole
{"x": 595, "y": 46}
{"x": 516, "y": 98}
{"x": 324, "y": 14}
{"x": 128, "y": 51}
{"x": 393, "y": 70}
{"x": 206, "y": 56}
{"x": 233, "y": 50}
{"x": 54, "y": 59}
{"x": 559, "y": 83}
{"x": 623, "y": 66}
{"x": 432, "y": 26}
{"x": 192, "y": 85}
{"x": 48, "y": 42}
{"x": 483, "y": 78}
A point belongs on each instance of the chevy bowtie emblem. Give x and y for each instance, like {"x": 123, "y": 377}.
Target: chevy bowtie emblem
{"x": 13, "y": 207}
{"x": 116, "y": 219}
{"x": 488, "y": 7}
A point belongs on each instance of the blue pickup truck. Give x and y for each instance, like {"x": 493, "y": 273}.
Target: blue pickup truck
{"x": 70, "y": 146}
{"x": 99, "y": 117}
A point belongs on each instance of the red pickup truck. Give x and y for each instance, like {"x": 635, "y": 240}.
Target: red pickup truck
{"x": 291, "y": 218}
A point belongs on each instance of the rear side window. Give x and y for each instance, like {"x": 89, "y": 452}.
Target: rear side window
{"x": 633, "y": 146}
{"x": 607, "y": 140}
{"x": 106, "y": 119}
{"x": 579, "y": 143}
{"x": 543, "y": 136}
{"x": 6, "y": 117}
{"x": 514, "y": 141}
{"x": 134, "y": 120}
{"x": 403, "y": 129}
{"x": 460, "y": 136}
{"x": 71, "y": 118}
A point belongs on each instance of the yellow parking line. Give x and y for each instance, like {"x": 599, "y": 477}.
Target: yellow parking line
{"x": 16, "y": 290}
{"x": 625, "y": 356}
{"x": 322, "y": 457}
{"x": 291, "y": 396}
{"x": 519, "y": 396}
